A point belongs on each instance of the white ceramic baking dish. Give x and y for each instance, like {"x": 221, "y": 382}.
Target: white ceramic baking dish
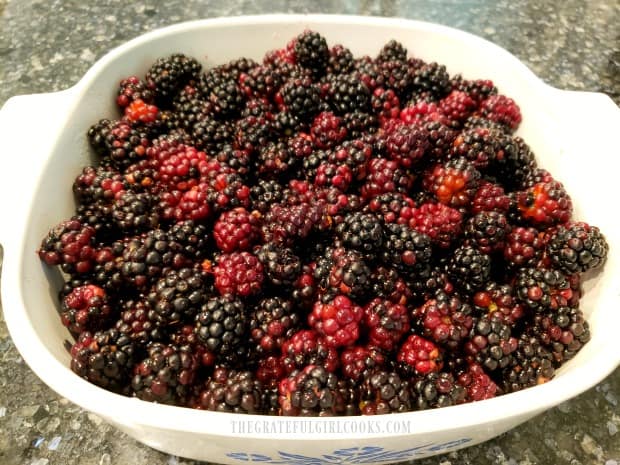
{"x": 44, "y": 146}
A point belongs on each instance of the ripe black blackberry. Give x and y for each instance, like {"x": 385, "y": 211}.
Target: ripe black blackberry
{"x": 469, "y": 268}
{"x": 517, "y": 164}
{"x": 212, "y": 135}
{"x": 362, "y": 232}
{"x": 222, "y": 92}
{"x": 311, "y": 163}
{"x": 348, "y": 398}
{"x": 231, "y": 391}
{"x": 272, "y": 321}
{"x": 476, "y": 121}
{"x": 282, "y": 267}
{"x": 170, "y": 74}
{"x": 178, "y": 296}
{"x": 487, "y": 231}
{"x": 133, "y": 88}
{"x": 342, "y": 271}
{"x": 532, "y": 365}
{"x": 301, "y": 97}
{"x": 483, "y": 147}
{"x": 165, "y": 375}
{"x": 188, "y": 107}
{"x": 392, "y": 51}
{"x": 98, "y": 215}
{"x": 435, "y": 390}
{"x": 491, "y": 343}
{"x": 577, "y": 247}
{"x": 192, "y": 237}
{"x": 340, "y": 60}
{"x": 265, "y": 193}
{"x": 432, "y": 79}
{"x": 222, "y": 325}
{"x": 260, "y": 82}
{"x": 346, "y": 94}
{"x": 312, "y": 391}
{"x": 478, "y": 89}
{"x": 405, "y": 249}
{"x": 234, "y": 68}
{"x": 359, "y": 123}
{"x": 252, "y": 133}
{"x": 275, "y": 160}
{"x": 312, "y": 52}
{"x": 427, "y": 282}
{"x": 135, "y": 213}
{"x": 105, "y": 358}
{"x": 397, "y": 76}
{"x": 498, "y": 301}
{"x": 384, "y": 392}
{"x": 541, "y": 289}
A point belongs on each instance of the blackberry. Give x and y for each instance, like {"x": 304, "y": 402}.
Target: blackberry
{"x": 445, "y": 319}
{"x": 441, "y": 223}
{"x": 312, "y": 52}
{"x": 177, "y": 296}
{"x": 440, "y": 138}
{"x": 304, "y": 289}
{"x": 332, "y": 175}
{"x": 284, "y": 224}
{"x": 282, "y": 267}
{"x": 392, "y": 207}
{"x": 385, "y": 176}
{"x": 477, "y": 383}
{"x": 433, "y": 79}
{"x": 306, "y": 347}
{"x": 486, "y": 231}
{"x": 226, "y": 190}
{"x": 260, "y": 82}
{"x": 327, "y": 130}
{"x": 71, "y": 245}
{"x": 392, "y": 51}
{"x": 386, "y": 323}
{"x": 238, "y": 273}
{"x": 221, "y": 324}
{"x": 475, "y": 121}
{"x": 337, "y": 320}
{"x": 104, "y": 358}
{"x": 234, "y": 68}
{"x": 435, "y": 390}
{"x": 236, "y": 230}
{"x": 301, "y": 145}
{"x": 138, "y": 322}
{"x": 385, "y": 103}
{"x": 524, "y": 247}
{"x": 490, "y": 197}
{"x": 404, "y": 248}
{"x": 418, "y": 355}
{"x": 312, "y": 391}
{"x": 86, "y": 308}
{"x": 301, "y": 97}
{"x": 133, "y": 88}
{"x": 275, "y": 159}
{"x": 457, "y": 106}
{"x": 491, "y": 344}
{"x": 231, "y": 391}
{"x": 170, "y": 74}
{"x": 179, "y": 166}
{"x": 271, "y": 322}
{"x": 478, "y": 89}
{"x": 189, "y": 107}
{"x": 541, "y": 289}
{"x": 348, "y": 398}
{"x": 358, "y": 362}
{"x": 135, "y": 213}
{"x": 99, "y": 184}
{"x": 407, "y": 144}
{"x": 342, "y": 271}
{"x": 347, "y": 94}
{"x": 359, "y": 123}
{"x": 396, "y": 76}
{"x": 577, "y": 247}
{"x": 469, "y": 268}
{"x": 453, "y": 183}
{"x": 517, "y": 164}
{"x": 533, "y": 365}
{"x": 192, "y": 237}
{"x": 165, "y": 375}
{"x": 212, "y": 135}
{"x": 252, "y": 133}
{"x": 501, "y": 109}
{"x": 354, "y": 153}
{"x": 482, "y": 147}
{"x": 362, "y": 232}
{"x": 384, "y": 392}
{"x": 264, "y": 194}
{"x": 340, "y": 60}
{"x": 118, "y": 143}
{"x": 223, "y": 93}
{"x": 427, "y": 282}
{"x": 497, "y": 301}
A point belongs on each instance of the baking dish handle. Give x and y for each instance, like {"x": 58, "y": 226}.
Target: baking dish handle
{"x": 28, "y": 124}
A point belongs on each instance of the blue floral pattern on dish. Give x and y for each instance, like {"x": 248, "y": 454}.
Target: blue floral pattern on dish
{"x": 353, "y": 455}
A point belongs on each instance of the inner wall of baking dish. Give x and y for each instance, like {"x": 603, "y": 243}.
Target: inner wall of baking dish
{"x": 217, "y": 43}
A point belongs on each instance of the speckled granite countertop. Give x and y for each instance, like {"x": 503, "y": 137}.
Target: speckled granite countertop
{"x": 48, "y": 45}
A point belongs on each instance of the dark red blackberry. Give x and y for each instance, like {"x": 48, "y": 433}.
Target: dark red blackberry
{"x": 165, "y": 375}
{"x": 404, "y": 248}
{"x": 231, "y": 391}
{"x": 86, "y": 308}
{"x": 453, "y": 183}
{"x": 138, "y": 322}
{"x": 392, "y": 51}
{"x": 423, "y": 112}
{"x": 226, "y": 189}
{"x": 192, "y": 238}
{"x": 239, "y": 274}
{"x": 264, "y": 194}
{"x": 275, "y": 159}
{"x": 477, "y": 383}
{"x": 407, "y": 144}
{"x": 486, "y": 231}
{"x": 332, "y": 175}
{"x": 304, "y": 289}
{"x": 497, "y": 301}
{"x": 272, "y": 321}
{"x": 478, "y": 89}
{"x": 178, "y": 296}
{"x": 221, "y": 324}
{"x": 457, "y": 106}
{"x": 222, "y": 92}
{"x": 435, "y": 390}
{"x": 135, "y": 213}
{"x": 270, "y": 371}
{"x": 384, "y": 392}
{"x": 491, "y": 343}
{"x": 393, "y": 207}
{"x": 185, "y": 335}
{"x": 441, "y": 223}
{"x": 490, "y": 197}
{"x": 433, "y": 79}
{"x": 337, "y": 320}
{"x": 71, "y": 245}
{"x": 501, "y": 109}
{"x": 282, "y": 267}
{"x": 179, "y": 166}
{"x": 386, "y": 323}
{"x": 362, "y": 232}
{"x": 347, "y": 94}
{"x": 440, "y": 137}
{"x": 104, "y": 358}
{"x": 311, "y": 391}
{"x": 306, "y": 347}
{"x": 212, "y": 135}
{"x": 354, "y": 153}
{"x": 301, "y": 97}
{"x": 358, "y": 362}
{"x": 99, "y": 184}
{"x": 311, "y": 52}
{"x": 118, "y": 143}
{"x": 385, "y": 103}
{"x": 541, "y": 289}
{"x": 577, "y": 247}
{"x": 286, "y": 224}
{"x": 252, "y": 133}
{"x": 236, "y": 230}
{"x": 532, "y": 365}
{"x": 418, "y": 355}
{"x": 524, "y": 247}
{"x": 395, "y": 75}
{"x": 342, "y": 271}
{"x": 445, "y": 319}
{"x": 483, "y": 147}
{"x": 359, "y": 123}
{"x": 327, "y": 130}
{"x": 133, "y": 88}
{"x": 385, "y": 176}
{"x": 170, "y": 74}
{"x": 189, "y": 205}
{"x": 260, "y": 82}
{"x": 469, "y": 268}
{"x": 563, "y": 332}
{"x": 340, "y": 60}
